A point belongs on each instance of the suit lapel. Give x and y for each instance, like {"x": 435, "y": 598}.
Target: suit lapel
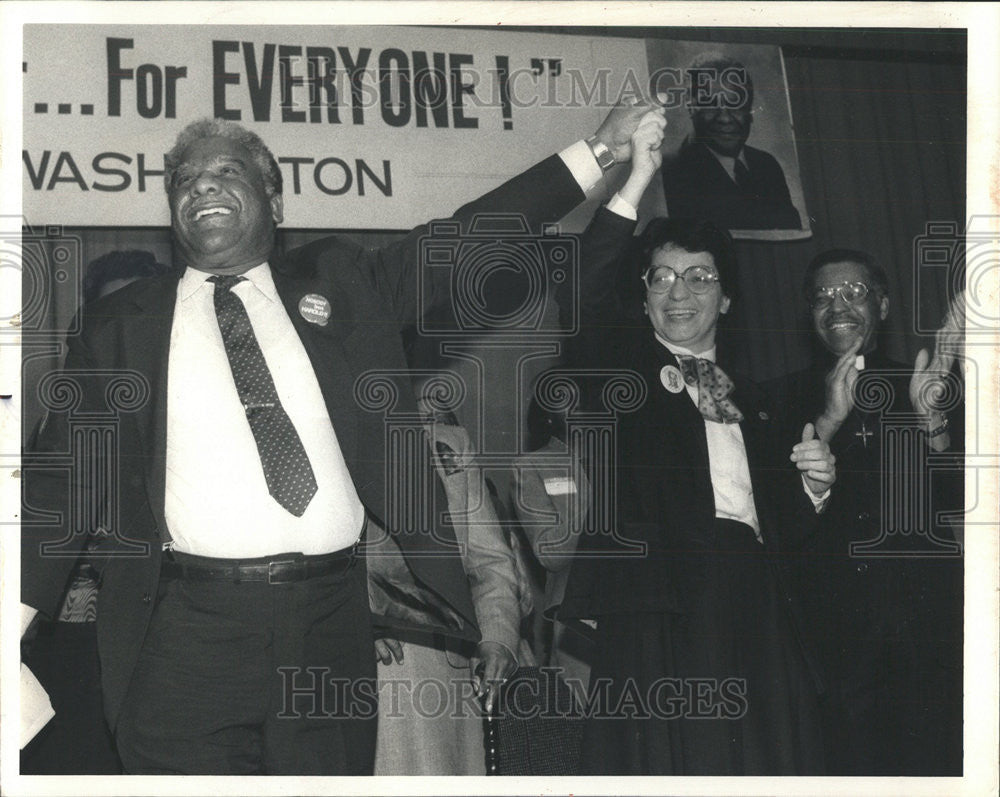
{"x": 753, "y": 426}
{"x": 758, "y": 442}
{"x": 326, "y": 348}
{"x": 681, "y": 419}
{"x": 146, "y": 343}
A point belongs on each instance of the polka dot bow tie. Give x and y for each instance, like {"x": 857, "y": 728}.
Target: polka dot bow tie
{"x": 289, "y": 476}
{"x": 714, "y": 389}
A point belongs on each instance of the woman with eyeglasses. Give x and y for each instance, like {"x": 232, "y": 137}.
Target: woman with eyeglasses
{"x": 697, "y": 668}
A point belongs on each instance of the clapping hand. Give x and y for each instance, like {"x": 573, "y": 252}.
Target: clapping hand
{"x": 929, "y": 372}
{"x": 839, "y": 393}
{"x": 927, "y": 389}
{"x": 927, "y": 383}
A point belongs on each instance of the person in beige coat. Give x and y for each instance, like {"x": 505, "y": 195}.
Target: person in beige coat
{"x": 432, "y": 690}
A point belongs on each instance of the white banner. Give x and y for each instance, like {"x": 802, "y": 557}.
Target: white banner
{"x": 373, "y": 127}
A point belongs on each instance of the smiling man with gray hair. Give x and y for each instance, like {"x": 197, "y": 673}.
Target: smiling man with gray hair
{"x": 236, "y": 638}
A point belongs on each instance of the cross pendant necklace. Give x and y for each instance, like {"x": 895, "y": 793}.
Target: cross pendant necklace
{"x": 864, "y": 434}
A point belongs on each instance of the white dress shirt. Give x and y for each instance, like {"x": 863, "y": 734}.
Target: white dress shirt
{"x": 217, "y": 502}
{"x": 727, "y": 459}
{"x": 580, "y": 161}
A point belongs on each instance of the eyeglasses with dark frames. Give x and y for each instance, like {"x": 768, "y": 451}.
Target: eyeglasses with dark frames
{"x": 660, "y": 279}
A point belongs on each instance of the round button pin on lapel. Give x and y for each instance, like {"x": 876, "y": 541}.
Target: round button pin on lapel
{"x": 763, "y": 415}
{"x": 670, "y": 376}
{"x": 315, "y": 309}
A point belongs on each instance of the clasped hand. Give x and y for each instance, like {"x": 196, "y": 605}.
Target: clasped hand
{"x": 621, "y": 122}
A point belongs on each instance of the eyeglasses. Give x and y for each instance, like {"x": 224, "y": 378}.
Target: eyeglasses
{"x": 660, "y": 279}
{"x": 850, "y": 292}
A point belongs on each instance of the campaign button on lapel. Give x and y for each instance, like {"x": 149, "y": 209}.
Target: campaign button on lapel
{"x": 671, "y": 378}
{"x": 315, "y": 309}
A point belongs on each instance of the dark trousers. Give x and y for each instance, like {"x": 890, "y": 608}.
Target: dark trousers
{"x": 254, "y": 678}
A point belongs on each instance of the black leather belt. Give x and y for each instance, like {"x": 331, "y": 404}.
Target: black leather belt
{"x": 278, "y": 571}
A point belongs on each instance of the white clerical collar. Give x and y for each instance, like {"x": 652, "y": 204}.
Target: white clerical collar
{"x": 729, "y": 164}
{"x": 859, "y": 362}
{"x": 680, "y": 350}
{"x": 258, "y": 276}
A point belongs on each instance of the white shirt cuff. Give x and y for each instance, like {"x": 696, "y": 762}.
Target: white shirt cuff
{"x": 622, "y": 207}
{"x": 582, "y": 165}
{"x": 818, "y": 501}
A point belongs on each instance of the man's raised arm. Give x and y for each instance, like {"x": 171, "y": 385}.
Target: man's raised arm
{"x": 542, "y": 194}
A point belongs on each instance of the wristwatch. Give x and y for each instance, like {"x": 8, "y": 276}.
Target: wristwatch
{"x": 604, "y": 157}
{"x": 940, "y": 430}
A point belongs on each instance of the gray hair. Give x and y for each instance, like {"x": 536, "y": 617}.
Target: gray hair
{"x": 220, "y": 128}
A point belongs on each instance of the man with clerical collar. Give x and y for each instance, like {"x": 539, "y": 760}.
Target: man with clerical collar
{"x": 881, "y": 590}
{"x": 715, "y": 175}
{"x": 235, "y": 629}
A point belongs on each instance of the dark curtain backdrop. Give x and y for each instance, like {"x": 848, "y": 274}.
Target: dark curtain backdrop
{"x": 881, "y": 147}
{"x": 880, "y": 121}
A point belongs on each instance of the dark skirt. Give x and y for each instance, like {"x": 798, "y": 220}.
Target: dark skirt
{"x": 721, "y": 688}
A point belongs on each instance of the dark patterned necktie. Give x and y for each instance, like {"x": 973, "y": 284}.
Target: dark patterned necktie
{"x": 714, "y": 389}
{"x": 289, "y": 475}
{"x": 742, "y": 174}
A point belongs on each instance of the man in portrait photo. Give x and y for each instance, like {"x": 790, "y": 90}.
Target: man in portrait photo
{"x": 715, "y": 175}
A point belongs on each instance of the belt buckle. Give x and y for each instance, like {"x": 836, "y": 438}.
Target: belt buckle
{"x": 272, "y": 575}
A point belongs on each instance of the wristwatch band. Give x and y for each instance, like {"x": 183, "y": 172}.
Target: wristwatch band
{"x": 939, "y": 431}
{"x": 604, "y": 157}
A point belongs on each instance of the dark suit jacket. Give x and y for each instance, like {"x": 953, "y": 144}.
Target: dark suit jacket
{"x": 887, "y": 628}
{"x": 373, "y": 296}
{"x": 696, "y": 185}
{"x": 665, "y": 498}
{"x": 859, "y": 598}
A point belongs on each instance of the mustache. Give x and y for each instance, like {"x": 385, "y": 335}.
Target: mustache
{"x": 841, "y": 317}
